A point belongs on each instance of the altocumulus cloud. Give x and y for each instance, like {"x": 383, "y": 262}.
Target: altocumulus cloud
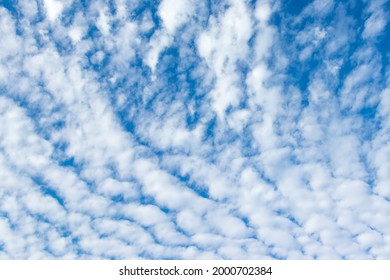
{"x": 194, "y": 129}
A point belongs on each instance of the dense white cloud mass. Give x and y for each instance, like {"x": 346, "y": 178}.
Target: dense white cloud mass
{"x": 194, "y": 130}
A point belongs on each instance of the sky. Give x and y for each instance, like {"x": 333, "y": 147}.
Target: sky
{"x": 194, "y": 129}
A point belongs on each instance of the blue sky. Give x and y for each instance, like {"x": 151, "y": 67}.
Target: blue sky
{"x": 194, "y": 129}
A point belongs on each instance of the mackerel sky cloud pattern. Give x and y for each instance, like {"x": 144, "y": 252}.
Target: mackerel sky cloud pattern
{"x": 194, "y": 129}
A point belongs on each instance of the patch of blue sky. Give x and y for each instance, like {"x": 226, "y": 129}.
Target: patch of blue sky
{"x": 186, "y": 180}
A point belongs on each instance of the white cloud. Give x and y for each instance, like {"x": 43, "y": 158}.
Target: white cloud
{"x": 158, "y": 43}
{"x": 377, "y": 19}
{"x": 174, "y": 13}
{"x": 232, "y": 30}
{"x": 374, "y": 25}
{"x": 53, "y": 9}
{"x": 29, "y": 8}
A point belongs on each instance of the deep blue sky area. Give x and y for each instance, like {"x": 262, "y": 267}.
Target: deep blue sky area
{"x": 194, "y": 129}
